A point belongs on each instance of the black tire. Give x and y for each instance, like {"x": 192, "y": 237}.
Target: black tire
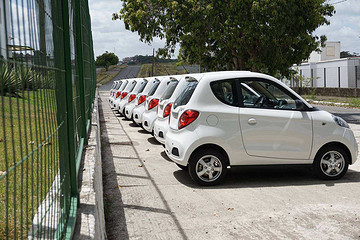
{"x": 340, "y": 161}
{"x": 195, "y": 166}
{"x": 182, "y": 167}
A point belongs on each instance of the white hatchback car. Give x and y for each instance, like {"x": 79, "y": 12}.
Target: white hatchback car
{"x": 245, "y": 118}
{"x": 117, "y": 93}
{"x": 130, "y": 95}
{"x": 151, "y": 104}
{"x": 153, "y": 84}
{"x": 124, "y": 94}
{"x": 116, "y": 85}
{"x": 161, "y": 125}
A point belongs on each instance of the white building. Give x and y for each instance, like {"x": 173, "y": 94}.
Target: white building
{"x": 4, "y": 24}
{"x": 327, "y": 69}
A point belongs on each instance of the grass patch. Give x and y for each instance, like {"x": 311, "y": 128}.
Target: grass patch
{"x": 25, "y": 122}
{"x": 349, "y": 101}
{"x": 160, "y": 69}
{"x": 104, "y": 77}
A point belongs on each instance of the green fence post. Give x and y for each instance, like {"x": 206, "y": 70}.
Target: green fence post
{"x": 69, "y": 100}
{"x": 80, "y": 63}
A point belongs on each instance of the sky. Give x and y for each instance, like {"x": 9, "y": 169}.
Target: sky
{"x": 109, "y": 35}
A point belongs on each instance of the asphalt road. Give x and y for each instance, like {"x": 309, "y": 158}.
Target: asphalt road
{"x": 128, "y": 72}
{"x": 147, "y": 196}
{"x": 350, "y": 115}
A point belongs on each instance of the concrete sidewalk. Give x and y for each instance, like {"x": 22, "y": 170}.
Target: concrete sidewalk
{"x": 146, "y": 196}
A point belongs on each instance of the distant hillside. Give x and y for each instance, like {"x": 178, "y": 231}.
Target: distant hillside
{"x": 163, "y": 69}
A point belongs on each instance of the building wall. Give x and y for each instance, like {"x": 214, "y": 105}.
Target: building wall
{"x": 331, "y": 74}
{"x": 3, "y": 21}
{"x": 329, "y": 52}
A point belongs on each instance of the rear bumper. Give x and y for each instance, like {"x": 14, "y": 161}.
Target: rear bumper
{"x": 161, "y": 126}
{"x": 129, "y": 108}
{"x": 148, "y": 120}
{"x": 137, "y": 113}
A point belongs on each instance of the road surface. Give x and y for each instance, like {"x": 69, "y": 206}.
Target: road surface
{"x": 128, "y": 72}
{"x": 350, "y": 115}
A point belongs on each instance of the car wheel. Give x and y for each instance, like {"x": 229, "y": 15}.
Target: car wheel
{"x": 331, "y": 163}
{"x": 207, "y": 167}
{"x": 182, "y": 167}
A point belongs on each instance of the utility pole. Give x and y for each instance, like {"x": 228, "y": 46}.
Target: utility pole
{"x": 153, "y": 61}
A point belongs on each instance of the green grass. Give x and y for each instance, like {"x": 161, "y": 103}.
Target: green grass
{"x": 25, "y": 123}
{"x": 160, "y": 69}
{"x": 349, "y": 101}
{"x": 104, "y": 77}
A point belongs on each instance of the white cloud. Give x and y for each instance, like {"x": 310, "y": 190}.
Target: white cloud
{"x": 344, "y": 25}
{"x": 109, "y": 35}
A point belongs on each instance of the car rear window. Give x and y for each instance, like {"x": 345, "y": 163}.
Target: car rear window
{"x": 170, "y": 89}
{"x": 186, "y": 94}
{"x": 118, "y": 85}
{"x": 153, "y": 89}
{"x": 225, "y": 91}
{"x": 143, "y": 85}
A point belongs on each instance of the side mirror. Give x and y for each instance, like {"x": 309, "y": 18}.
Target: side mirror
{"x": 300, "y": 106}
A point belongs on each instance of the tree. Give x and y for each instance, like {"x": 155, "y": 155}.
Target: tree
{"x": 263, "y": 35}
{"x": 106, "y": 59}
{"x": 346, "y": 54}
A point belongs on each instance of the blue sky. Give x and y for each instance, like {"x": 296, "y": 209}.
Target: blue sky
{"x": 111, "y": 35}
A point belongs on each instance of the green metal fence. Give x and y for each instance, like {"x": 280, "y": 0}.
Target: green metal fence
{"x": 47, "y": 89}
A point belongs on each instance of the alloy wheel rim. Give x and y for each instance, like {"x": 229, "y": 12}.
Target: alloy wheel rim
{"x": 208, "y": 168}
{"x": 332, "y": 163}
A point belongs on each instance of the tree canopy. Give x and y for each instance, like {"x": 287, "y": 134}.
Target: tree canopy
{"x": 106, "y": 59}
{"x": 346, "y": 54}
{"x": 263, "y": 35}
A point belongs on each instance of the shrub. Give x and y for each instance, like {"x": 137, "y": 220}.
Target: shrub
{"x": 9, "y": 83}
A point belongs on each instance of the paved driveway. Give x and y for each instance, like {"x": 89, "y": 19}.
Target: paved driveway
{"x": 128, "y": 72}
{"x": 149, "y": 197}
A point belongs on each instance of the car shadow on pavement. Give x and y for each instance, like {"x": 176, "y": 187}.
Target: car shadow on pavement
{"x": 153, "y": 141}
{"x": 133, "y": 124}
{"x": 163, "y": 154}
{"x": 269, "y": 176}
{"x": 143, "y": 131}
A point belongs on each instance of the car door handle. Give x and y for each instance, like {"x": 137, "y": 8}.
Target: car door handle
{"x": 252, "y": 121}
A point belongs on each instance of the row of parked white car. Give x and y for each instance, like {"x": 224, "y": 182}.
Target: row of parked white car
{"x": 210, "y": 121}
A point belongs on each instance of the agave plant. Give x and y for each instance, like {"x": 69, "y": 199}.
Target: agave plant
{"x": 8, "y": 81}
{"x": 26, "y": 77}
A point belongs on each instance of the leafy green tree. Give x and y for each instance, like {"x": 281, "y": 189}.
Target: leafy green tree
{"x": 106, "y": 59}
{"x": 263, "y": 35}
{"x": 346, "y": 54}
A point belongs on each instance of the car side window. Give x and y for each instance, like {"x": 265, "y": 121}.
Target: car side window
{"x": 258, "y": 93}
{"x": 225, "y": 91}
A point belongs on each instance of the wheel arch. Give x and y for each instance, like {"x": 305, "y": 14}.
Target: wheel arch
{"x": 212, "y": 146}
{"x": 343, "y": 146}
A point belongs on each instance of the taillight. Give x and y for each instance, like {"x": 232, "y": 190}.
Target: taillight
{"x": 153, "y": 103}
{"x": 132, "y": 97}
{"x": 187, "y": 117}
{"x": 167, "y": 110}
{"x": 118, "y": 94}
{"x": 141, "y": 99}
{"x": 123, "y": 95}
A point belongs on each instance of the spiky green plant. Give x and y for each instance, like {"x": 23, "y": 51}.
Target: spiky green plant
{"x": 8, "y": 82}
{"x": 26, "y": 77}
